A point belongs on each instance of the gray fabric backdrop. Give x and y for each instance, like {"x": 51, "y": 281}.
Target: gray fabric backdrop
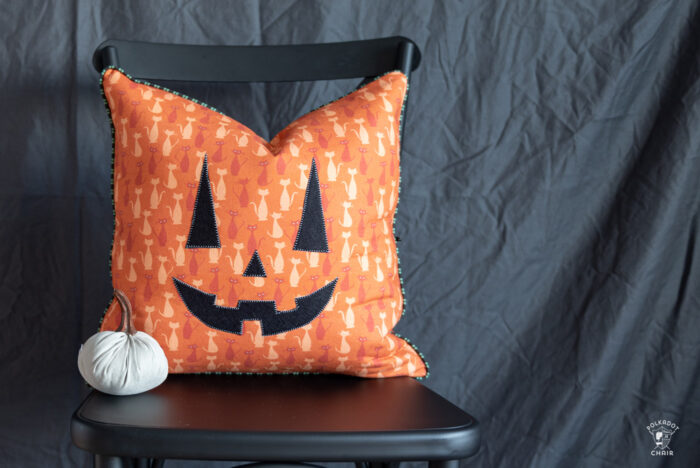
{"x": 549, "y": 210}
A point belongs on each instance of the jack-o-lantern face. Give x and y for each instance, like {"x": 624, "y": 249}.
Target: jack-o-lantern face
{"x": 246, "y": 255}
{"x": 311, "y": 237}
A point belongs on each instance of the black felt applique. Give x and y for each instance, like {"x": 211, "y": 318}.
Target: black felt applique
{"x": 311, "y": 236}
{"x": 203, "y": 230}
{"x": 255, "y": 267}
{"x": 272, "y": 321}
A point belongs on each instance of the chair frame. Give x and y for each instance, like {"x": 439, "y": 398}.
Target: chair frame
{"x": 455, "y": 435}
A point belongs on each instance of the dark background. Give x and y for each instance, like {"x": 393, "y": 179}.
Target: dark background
{"x": 549, "y": 208}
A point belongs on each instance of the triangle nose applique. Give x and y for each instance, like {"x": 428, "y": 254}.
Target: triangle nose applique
{"x": 255, "y": 267}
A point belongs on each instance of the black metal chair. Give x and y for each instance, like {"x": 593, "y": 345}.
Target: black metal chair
{"x": 272, "y": 419}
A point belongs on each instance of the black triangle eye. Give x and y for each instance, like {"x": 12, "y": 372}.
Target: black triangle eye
{"x": 255, "y": 267}
{"x": 203, "y": 230}
{"x": 311, "y": 236}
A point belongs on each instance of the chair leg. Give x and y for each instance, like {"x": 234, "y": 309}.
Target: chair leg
{"x": 443, "y": 464}
{"x": 106, "y": 461}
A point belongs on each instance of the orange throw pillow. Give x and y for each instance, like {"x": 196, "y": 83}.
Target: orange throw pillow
{"x": 247, "y": 256}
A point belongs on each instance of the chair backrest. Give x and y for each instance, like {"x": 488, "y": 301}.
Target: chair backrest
{"x": 297, "y": 62}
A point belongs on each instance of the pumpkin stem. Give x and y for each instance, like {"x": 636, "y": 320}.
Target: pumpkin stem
{"x": 127, "y": 323}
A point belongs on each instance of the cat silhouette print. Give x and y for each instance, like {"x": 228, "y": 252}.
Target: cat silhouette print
{"x": 311, "y": 237}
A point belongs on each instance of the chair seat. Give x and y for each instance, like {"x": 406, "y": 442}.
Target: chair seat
{"x": 311, "y": 418}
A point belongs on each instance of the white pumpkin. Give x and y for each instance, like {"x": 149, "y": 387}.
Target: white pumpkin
{"x": 122, "y": 362}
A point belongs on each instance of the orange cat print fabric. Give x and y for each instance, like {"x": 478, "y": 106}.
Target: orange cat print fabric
{"x": 242, "y": 255}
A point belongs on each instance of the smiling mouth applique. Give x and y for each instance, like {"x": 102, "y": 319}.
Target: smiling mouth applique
{"x": 272, "y": 321}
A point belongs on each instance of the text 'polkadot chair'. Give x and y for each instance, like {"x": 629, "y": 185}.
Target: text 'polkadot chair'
{"x": 275, "y": 419}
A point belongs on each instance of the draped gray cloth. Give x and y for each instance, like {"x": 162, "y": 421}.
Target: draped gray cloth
{"x": 548, "y": 217}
